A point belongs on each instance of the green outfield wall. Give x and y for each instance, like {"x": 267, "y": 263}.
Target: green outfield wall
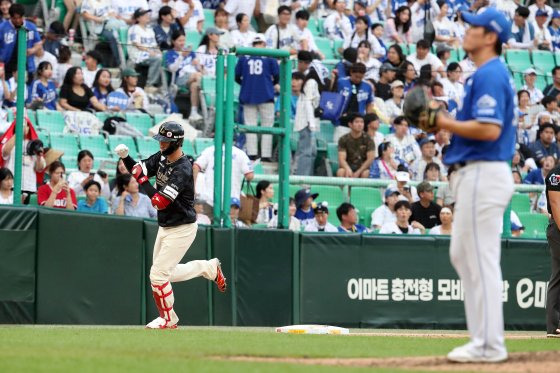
{"x": 59, "y": 267}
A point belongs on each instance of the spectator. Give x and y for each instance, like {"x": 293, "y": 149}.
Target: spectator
{"x": 207, "y": 51}
{"x": 235, "y": 7}
{"x": 184, "y": 64}
{"x": 234, "y": 213}
{"x": 297, "y": 84}
{"x": 71, "y": 18}
{"x": 43, "y": 91}
{"x": 536, "y": 94}
{"x": 129, "y": 201}
{"x": 518, "y": 163}
{"x": 53, "y": 37}
{"x": 443, "y": 139}
{"x": 57, "y": 193}
{"x": 356, "y": 150}
{"x": 538, "y": 174}
{"x": 304, "y": 37}
{"x": 306, "y": 122}
{"x": 320, "y": 223}
{"x": 360, "y": 33}
{"x": 10, "y": 91}
{"x": 423, "y": 56}
{"x": 257, "y": 77}
{"x": 452, "y": 87}
{"x": 137, "y": 98}
{"x": 6, "y": 180}
{"x": 379, "y": 49}
{"x": 445, "y": 28}
{"x": 349, "y": 58}
{"x": 243, "y": 36}
{"x": 539, "y": 5}
{"x": 554, "y": 88}
{"x": 409, "y": 76}
{"x": 402, "y": 178}
{"x": 42, "y": 55}
{"x": 397, "y": 29}
{"x": 385, "y": 213}
{"x": 200, "y": 217}
{"x": 387, "y": 75}
{"x": 102, "y": 86}
{"x": 221, "y": 23}
{"x": 8, "y": 41}
{"x": 428, "y": 150}
{"x": 525, "y": 132}
{"x": 165, "y": 28}
{"x": 304, "y": 206}
{"x": 554, "y": 29}
{"x": 545, "y": 145}
{"x": 78, "y": 179}
{"x": 432, "y": 172}
{"x": 64, "y": 56}
{"x": 92, "y": 60}
{"x": 403, "y": 212}
{"x": 283, "y": 34}
{"x": 348, "y": 218}
{"x": 542, "y": 35}
{"x": 551, "y": 109}
{"x": 446, "y": 218}
{"x": 241, "y": 168}
{"x": 425, "y": 211}
{"x": 397, "y": 59}
{"x": 426, "y": 76}
{"x": 522, "y": 32}
{"x": 294, "y": 225}
{"x": 75, "y": 95}
{"x": 265, "y": 193}
{"x": 190, "y": 15}
{"x": 337, "y": 25}
{"x": 372, "y": 64}
{"x": 443, "y": 53}
{"x": 143, "y": 47}
{"x": 517, "y": 179}
{"x": 93, "y": 203}
{"x": 418, "y": 14}
{"x": 394, "y": 105}
{"x": 5, "y": 10}
{"x": 120, "y": 170}
{"x": 124, "y": 13}
{"x": 97, "y": 14}
{"x": 358, "y": 98}
{"x": 385, "y": 166}
{"x": 406, "y": 147}
{"x": 304, "y": 59}
{"x": 371, "y": 123}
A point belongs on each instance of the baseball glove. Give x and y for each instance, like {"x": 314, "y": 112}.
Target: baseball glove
{"x": 420, "y": 110}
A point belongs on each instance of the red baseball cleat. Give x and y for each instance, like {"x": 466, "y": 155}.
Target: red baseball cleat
{"x": 220, "y": 279}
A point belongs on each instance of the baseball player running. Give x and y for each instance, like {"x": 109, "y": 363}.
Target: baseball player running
{"x": 173, "y": 197}
{"x": 483, "y": 143}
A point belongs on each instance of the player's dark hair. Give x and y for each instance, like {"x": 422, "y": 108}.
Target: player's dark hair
{"x": 358, "y": 67}
{"x": 239, "y": 17}
{"x": 522, "y": 11}
{"x": 284, "y": 8}
{"x": 302, "y": 14}
{"x": 402, "y": 203}
{"x": 261, "y": 187}
{"x": 422, "y": 44}
{"x": 5, "y": 173}
{"x": 17, "y": 9}
{"x": 398, "y": 23}
{"x": 82, "y": 154}
{"x": 547, "y": 100}
{"x": 90, "y": 183}
{"x": 96, "y": 80}
{"x": 497, "y": 44}
{"x": 453, "y": 66}
{"x": 56, "y": 164}
{"x": 343, "y": 209}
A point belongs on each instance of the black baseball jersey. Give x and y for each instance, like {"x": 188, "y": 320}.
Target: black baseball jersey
{"x": 552, "y": 182}
{"x": 175, "y": 182}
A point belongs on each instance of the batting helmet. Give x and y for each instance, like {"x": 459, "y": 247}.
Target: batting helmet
{"x": 170, "y": 132}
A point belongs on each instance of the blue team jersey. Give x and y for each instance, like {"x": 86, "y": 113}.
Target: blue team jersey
{"x": 101, "y": 97}
{"x": 46, "y": 93}
{"x": 555, "y": 33}
{"x": 257, "y": 76}
{"x": 8, "y": 35}
{"x": 364, "y": 92}
{"x": 489, "y": 98}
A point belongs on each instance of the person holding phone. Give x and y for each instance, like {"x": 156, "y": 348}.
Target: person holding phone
{"x": 78, "y": 179}
{"x": 57, "y": 193}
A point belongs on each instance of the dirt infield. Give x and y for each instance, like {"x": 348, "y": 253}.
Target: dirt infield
{"x": 527, "y": 362}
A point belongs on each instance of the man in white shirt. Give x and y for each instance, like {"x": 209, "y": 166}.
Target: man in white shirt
{"x": 423, "y": 56}
{"x": 241, "y": 167}
{"x": 401, "y": 225}
{"x": 92, "y": 61}
{"x": 542, "y": 34}
{"x": 452, "y": 87}
{"x": 234, "y": 7}
{"x": 338, "y": 25}
{"x": 283, "y": 34}
{"x": 530, "y": 76}
{"x": 42, "y": 55}
{"x": 522, "y": 31}
{"x": 320, "y": 223}
{"x": 190, "y": 14}
{"x": 385, "y": 213}
{"x": 124, "y": 10}
{"x": 305, "y": 37}
{"x": 405, "y": 145}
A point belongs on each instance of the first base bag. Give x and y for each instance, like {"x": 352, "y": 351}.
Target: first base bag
{"x": 332, "y": 105}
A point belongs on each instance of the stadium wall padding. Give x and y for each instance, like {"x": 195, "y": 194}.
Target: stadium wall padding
{"x": 61, "y": 267}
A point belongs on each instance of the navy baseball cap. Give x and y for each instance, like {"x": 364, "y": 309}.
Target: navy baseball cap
{"x": 490, "y": 19}
{"x": 541, "y": 13}
{"x": 302, "y": 195}
{"x": 555, "y": 14}
{"x": 235, "y": 202}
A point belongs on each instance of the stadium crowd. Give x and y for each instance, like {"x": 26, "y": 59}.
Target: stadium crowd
{"x": 386, "y": 49}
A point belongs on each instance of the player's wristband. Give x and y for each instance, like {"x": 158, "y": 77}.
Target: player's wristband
{"x": 138, "y": 174}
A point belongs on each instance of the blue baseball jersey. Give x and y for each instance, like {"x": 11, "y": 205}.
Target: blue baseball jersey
{"x": 46, "y": 93}
{"x": 555, "y": 33}
{"x": 8, "y": 38}
{"x": 489, "y": 98}
{"x": 364, "y": 93}
{"x": 101, "y": 97}
{"x": 257, "y": 77}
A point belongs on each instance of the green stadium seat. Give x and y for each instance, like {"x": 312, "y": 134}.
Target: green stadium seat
{"x": 209, "y": 88}
{"x": 33, "y": 200}
{"x": 367, "y": 216}
{"x": 541, "y": 82}
{"x": 50, "y": 120}
{"x": 332, "y": 194}
{"x": 518, "y": 80}
{"x": 193, "y": 39}
{"x": 384, "y": 129}
{"x": 518, "y": 60}
{"x": 95, "y": 144}
{"x": 258, "y": 169}
{"x": 188, "y": 148}
{"x": 321, "y": 26}
{"x": 148, "y": 146}
{"x": 115, "y": 140}
{"x": 324, "y": 135}
{"x": 364, "y": 197}
{"x": 337, "y": 46}
{"x": 292, "y": 190}
{"x": 535, "y": 225}
{"x": 141, "y": 121}
{"x": 325, "y": 46}
{"x": 404, "y": 47}
{"x": 208, "y": 18}
{"x": 123, "y": 40}
{"x": 201, "y": 143}
{"x": 543, "y": 61}
{"x": 411, "y": 49}
{"x": 160, "y": 117}
{"x": 332, "y": 155}
{"x": 66, "y": 142}
{"x": 45, "y": 138}
{"x": 32, "y": 115}
{"x": 521, "y": 203}
{"x": 461, "y": 53}
{"x": 313, "y": 26}
{"x": 454, "y": 56}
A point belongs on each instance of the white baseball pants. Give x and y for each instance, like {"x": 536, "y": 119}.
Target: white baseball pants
{"x": 251, "y": 114}
{"x": 482, "y": 192}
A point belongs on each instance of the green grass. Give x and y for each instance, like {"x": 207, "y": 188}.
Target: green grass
{"x": 115, "y": 349}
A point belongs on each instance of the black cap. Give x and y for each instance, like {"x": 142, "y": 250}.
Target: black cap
{"x": 302, "y": 195}
{"x": 305, "y": 56}
{"x": 140, "y": 12}
{"x": 170, "y": 132}
{"x": 321, "y": 207}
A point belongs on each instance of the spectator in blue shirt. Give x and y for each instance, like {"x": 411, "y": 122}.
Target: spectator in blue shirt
{"x": 8, "y": 40}
{"x": 297, "y": 84}
{"x": 304, "y": 206}
{"x": 42, "y": 93}
{"x": 165, "y": 28}
{"x": 554, "y": 28}
{"x": 101, "y": 86}
{"x": 538, "y": 174}
{"x": 348, "y": 217}
{"x": 545, "y": 144}
{"x": 349, "y": 57}
{"x": 93, "y": 203}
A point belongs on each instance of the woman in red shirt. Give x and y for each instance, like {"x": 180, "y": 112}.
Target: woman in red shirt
{"x": 57, "y": 193}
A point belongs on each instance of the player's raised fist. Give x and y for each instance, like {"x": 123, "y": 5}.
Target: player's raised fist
{"x": 121, "y": 150}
